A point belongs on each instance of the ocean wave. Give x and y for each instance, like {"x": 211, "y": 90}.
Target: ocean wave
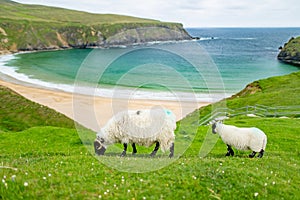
{"x": 246, "y": 38}
{"x": 220, "y": 38}
{"x": 208, "y": 38}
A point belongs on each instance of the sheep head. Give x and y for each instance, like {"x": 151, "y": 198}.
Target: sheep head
{"x": 213, "y": 128}
{"x": 215, "y": 122}
{"x": 99, "y": 146}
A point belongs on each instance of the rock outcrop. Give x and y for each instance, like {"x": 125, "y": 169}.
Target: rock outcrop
{"x": 290, "y": 53}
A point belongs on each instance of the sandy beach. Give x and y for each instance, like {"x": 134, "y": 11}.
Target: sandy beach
{"x": 93, "y": 112}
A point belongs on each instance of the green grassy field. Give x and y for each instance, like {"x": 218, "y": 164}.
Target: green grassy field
{"x": 51, "y": 162}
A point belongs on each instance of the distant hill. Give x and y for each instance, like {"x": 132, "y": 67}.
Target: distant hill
{"x": 35, "y": 27}
{"x": 290, "y": 53}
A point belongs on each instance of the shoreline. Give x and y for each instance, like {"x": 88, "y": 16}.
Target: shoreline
{"x": 93, "y": 111}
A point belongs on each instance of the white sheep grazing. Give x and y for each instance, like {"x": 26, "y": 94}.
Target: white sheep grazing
{"x": 241, "y": 138}
{"x": 141, "y": 127}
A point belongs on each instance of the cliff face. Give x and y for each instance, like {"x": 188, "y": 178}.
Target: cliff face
{"x": 31, "y": 27}
{"x": 139, "y": 35}
{"x": 290, "y": 53}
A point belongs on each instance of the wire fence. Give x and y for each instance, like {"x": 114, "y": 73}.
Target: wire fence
{"x": 256, "y": 110}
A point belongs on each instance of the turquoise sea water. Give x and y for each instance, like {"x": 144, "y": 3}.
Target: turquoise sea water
{"x": 223, "y": 60}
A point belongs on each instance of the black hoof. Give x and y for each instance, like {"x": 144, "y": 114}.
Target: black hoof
{"x": 152, "y": 154}
{"x": 261, "y": 153}
{"x": 251, "y": 155}
{"x": 123, "y": 154}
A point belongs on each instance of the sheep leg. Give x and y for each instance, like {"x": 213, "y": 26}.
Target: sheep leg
{"x": 134, "y": 151}
{"x": 261, "y": 153}
{"x": 171, "y": 150}
{"x": 124, "y": 151}
{"x": 252, "y": 154}
{"x": 230, "y": 151}
{"x": 155, "y": 149}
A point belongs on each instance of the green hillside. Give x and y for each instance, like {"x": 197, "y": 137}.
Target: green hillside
{"x": 18, "y": 113}
{"x": 50, "y": 162}
{"x": 33, "y": 27}
{"x": 37, "y": 13}
{"x": 271, "y": 92}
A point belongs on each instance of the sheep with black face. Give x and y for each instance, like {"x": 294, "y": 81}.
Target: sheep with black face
{"x": 241, "y": 138}
{"x": 141, "y": 127}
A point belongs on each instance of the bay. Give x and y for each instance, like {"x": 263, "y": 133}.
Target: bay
{"x": 223, "y": 60}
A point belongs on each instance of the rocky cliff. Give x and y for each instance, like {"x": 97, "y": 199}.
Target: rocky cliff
{"x": 33, "y": 27}
{"x": 290, "y": 53}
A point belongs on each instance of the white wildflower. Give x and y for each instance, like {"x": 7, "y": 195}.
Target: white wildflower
{"x": 99, "y": 196}
{"x": 44, "y": 178}
{"x": 13, "y": 177}
{"x": 266, "y": 184}
{"x": 25, "y": 184}
{"x": 128, "y": 191}
{"x": 49, "y": 175}
{"x": 273, "y": 182}
{"x": 221, "y": 164}
{"x": 256, "y": 194}
{"x": 3, "y": 181}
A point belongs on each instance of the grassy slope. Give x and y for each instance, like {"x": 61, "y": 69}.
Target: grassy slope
{"x": 18, "y": 113}
{"x": 55, "y": 164}
{"x": 274, "y": 91}
{"x": 34, "y": 27}
{"x": 18, "y": 11}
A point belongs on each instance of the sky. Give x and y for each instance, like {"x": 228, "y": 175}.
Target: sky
{"x": 194, "y": 13}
